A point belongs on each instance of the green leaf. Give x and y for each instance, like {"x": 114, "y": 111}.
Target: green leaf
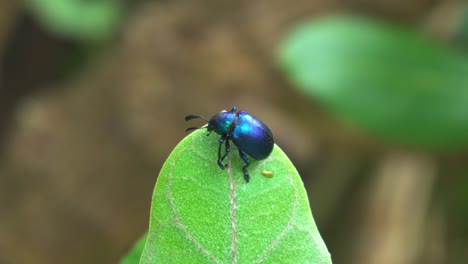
{"x": 133, "y": 257}
{"x": 389, "y": 81}
{"x": 461, "y": 34}
{"x": 86, "y": 20}
{"x": 202, "y": 214}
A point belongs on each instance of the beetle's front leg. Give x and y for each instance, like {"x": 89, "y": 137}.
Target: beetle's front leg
{"x": 220, "y": 159}
{"x": 228, "y": 149}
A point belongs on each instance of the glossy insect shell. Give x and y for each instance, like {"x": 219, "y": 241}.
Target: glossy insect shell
{"x": 221, "y": 122}
{"x": 247, "y": 132}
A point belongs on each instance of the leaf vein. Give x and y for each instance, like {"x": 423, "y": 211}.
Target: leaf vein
{"x": 289, "y": 226}
{"x": 232, "y": 199}
{"x": 177, "y": 219}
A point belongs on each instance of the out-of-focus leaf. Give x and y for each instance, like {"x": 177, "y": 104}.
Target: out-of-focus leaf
{"x": 387, "y": 80}
{"x": 133, "y": 257}
{"x": 85, "y": 20}
{"x": 202, "y": 214}
{"x": 461, "y": 35}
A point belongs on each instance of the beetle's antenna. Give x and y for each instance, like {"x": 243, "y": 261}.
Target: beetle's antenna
{"x": 193, "y": 128}
{"x": 190, "y": 117}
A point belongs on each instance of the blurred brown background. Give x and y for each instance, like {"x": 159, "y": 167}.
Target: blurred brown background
{"x": 85, "y": 128}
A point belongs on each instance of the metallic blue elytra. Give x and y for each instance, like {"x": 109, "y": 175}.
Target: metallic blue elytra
{"x": 250, "y": 135}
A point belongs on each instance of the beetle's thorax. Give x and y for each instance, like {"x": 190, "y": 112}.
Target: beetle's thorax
{"x": 222, "y": 123}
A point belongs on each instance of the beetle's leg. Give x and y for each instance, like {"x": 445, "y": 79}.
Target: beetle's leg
{"x": 247, "y": 163}
{"x": 220, "y": 160}
{"x": 228, "y": 149}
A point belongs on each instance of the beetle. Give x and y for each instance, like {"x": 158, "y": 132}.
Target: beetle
{"x": 250, "y": 135}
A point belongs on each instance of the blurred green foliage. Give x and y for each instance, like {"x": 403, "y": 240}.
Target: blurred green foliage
{"x": 84, "y": 20}
{"x": 134, "y": 255}
{"x": 390, "y": 81}
{"x": 462, "y": 32}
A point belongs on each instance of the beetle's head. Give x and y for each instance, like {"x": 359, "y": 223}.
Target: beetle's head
{"x": 219, "y": 123}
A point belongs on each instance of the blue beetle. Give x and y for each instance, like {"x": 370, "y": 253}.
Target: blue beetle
{"x": 250, "y": 135}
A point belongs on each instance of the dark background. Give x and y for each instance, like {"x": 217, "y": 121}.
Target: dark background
{"x": 85, "y": 125}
